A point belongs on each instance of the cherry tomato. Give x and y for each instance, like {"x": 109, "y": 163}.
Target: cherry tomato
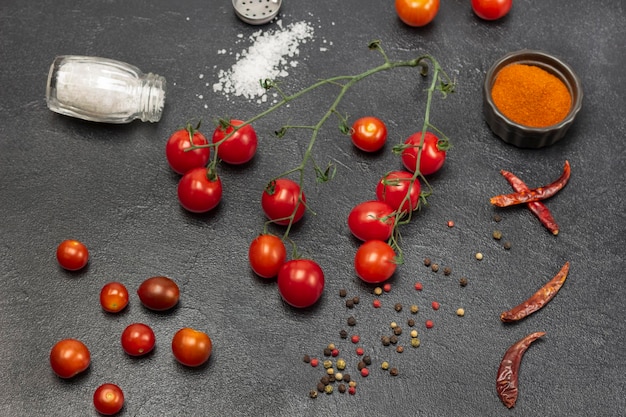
{"x": 158, "y": 293}
{"x": 113, "y": 297}
{"x": 72, "y": 255}
{"x": 69, "y": 357}
{"x": 394, "y": 187}
{"x": 371, "y": 220}
{"x": 417, "y": 12}
{"x": 138, "y": 339}
{"x": 108, "y": 399}
{"x": 240, "y": 147}
{"x": 369, "y": 133}
{"x": 267, "y": 254}
{"x": 491, "y": 9}
{"x": 300, "y": 282}
{"x": 280, "y": 200}
{"x": 191, "y": 347}
{"x": 432, "y": 157}
{"x": 374, "y": 261}
{"x": 200, "y": 190}
{"x": 181, "y": 160}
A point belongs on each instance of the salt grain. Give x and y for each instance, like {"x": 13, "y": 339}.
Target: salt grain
{"x": 270, "y": 56}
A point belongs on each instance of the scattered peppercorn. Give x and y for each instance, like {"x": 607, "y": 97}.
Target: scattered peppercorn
{"x": 356, "y": 299}
{"x": 325, "y": 380}
{"x": 352, "y": 383}
{"x": 410, "y": 322}
{"x": 497, "y": 218}
{"x": 418, "y": 286}
{"x": 361, "y": 365}
{"x": 352, "y": 390}
{"x": 328, "y": 389}
{"x": 355, "y": 338}
{"x": 460, "y": 312}
{"x": 341, "y": 364}
{"x": 393, "y": 339}
{"x": 327, "y": 364}
{"x": 331, "y": 346}
{"x": 338, "y": 376}
{"x": 331, "y": 372}
{"x": 384, "y": 365}
{"x": 341, "y": 388}
{"x": 351, "y": 321}
{"x": 435, "y": 305}
{"x": 397, "y": 331}
{"x": 447, "y": 270}
{"x": 367, "y": 359}
{"x": 327, "y": 351}
{"x": 415, "y": 342}
{"x": 507, "y": 245}
{"x": 347, "y": 378}
{"x": 497, "y": 235}
{"x": 314, "y": 362}
{"x": 360, "y": 351}
{"x": 479, "y": 256}
{"x": 343, "y": 334}
{"x": 393, "y": 325}
{"x": 394, "y": 372}
{"x": 450, "y": 223}
{"x": 334, "y": 353}
{"x": 378, "y": 291}
{"x": 400, "y": 349}
{"x": 398, "y": 307}
{"x": 313, "y": 394}
{"x": 320, "y": 386}
{"x": 385, "y": 340}
{"x": 376, "y": 303}
{"x": 426, "y": 261}
{"x": 434, "y": 267}
{"x": 343, "y": 292}
{"x": 463, "y": 282}
{"x": 350, "y": 303}
{"x": 306, "y": 359}
{"x": 413, "y": 333}
{"x": 387, "y": 287}
{"x": 365, "y": 372}
{"x": 414, "y": 309}
{"x": 429, "y": 324}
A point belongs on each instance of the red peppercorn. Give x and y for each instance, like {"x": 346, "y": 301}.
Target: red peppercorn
{"x": 365, "y": 372}
{"x": 376, "y": 303}
{"x": 355, "y": 338}
{"x": 418, "y": 286}
{"x": 352, "y": 390}
{"x": 360, "y": 351}
{"x": 450, "y": 223}
{"x": 314, "y": 362}
{"x": 429, "y": 324}
{"x": 435, "y": 305}
{"x": 335, "y": 352}
{"x": 387, "y": 287}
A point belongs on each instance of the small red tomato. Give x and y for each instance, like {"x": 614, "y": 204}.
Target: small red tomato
{"x": 191, "y": 347}
{"x": 417, "y": 12}
{"x": 108, "y": 399}
{"x": 372, "y": 220}
{"x": 432, "y": 157}
{"x": 374, "y": 261}
{"x": 238, "y": 148}
{"x": 200, "y": 190}
{"x": 159, "y": 293}
{"x": 267, "y": 254}
{"x": 369, "y": 133}
{"x": 138, "y": 339}
{"x": 300, "y": 282}
{"x": 281, "y": 199}
{"x": 399, "y": 190}
{"x": 113, "y": 297}
{"x": 179, "y": 158}
{"x": 491, "y": 9}
{"x": 69, "y": 357}
{"x": 72, "y": 255}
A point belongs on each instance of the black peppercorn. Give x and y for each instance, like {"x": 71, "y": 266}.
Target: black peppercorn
{"x": 393, "y": 339}
{"x": 463, "y": 282}
{"x": 327, "y": 351}
{"x": 350, "y": 303}
{"x": 367, "y": 359}
{"x": 398, "y": 307}
{"x": 385, "y": 340}
{"x": 426, "y": 261}
{"x": 320, "y": 386}
{"x": 356, "y": 299}
{"x": 306, "y": 358}
{"x": 343, "y": 293}
{"x": 447, "y": 270}
{"x": 351, "y": 321}
{"x": 434, "y": 267}
{"x": 342, "y": 388}
{"x": 343, "y": 334}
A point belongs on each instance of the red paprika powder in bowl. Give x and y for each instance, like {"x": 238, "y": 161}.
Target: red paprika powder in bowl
{"x": 531, "y": 98}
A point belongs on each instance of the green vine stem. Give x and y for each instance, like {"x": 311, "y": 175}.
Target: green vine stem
{"x": 440, "y": 82}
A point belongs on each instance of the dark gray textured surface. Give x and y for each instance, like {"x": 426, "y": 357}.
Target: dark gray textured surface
{"x": 110, "y": 187}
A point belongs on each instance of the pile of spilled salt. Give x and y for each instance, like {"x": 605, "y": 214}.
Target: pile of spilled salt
{"x": 269, "y": 57}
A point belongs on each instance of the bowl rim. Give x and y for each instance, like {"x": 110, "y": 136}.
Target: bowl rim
{"x": 546, "y": 61}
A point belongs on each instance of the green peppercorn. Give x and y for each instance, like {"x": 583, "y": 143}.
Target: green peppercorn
{"x": 414, "y": 309}
{"x": 415, "y": 342}
{"x": 328, "y": 364}
{"x": 384, "y": 365}
{"x": 497, "y": 235}
{"x": 341, "y": 364}
{"x": 328, "y": 389}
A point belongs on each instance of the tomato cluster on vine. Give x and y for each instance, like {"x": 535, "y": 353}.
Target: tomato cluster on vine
{"x": 70, "y": 357}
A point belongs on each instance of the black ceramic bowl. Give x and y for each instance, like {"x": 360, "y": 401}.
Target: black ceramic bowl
{"x": 525, "y": 136}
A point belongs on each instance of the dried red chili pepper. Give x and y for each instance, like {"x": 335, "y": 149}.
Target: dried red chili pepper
{"x": 536, "y": 207}
{"x": 508, "y": 371}
{"x": 536, "y": 194}
{"x": 538, "y": 299}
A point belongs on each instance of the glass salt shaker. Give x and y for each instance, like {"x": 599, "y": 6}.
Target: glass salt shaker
{"x": 104, "y": 90}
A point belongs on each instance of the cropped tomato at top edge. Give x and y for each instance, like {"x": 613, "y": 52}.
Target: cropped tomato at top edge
{"x": 417, "y": 13}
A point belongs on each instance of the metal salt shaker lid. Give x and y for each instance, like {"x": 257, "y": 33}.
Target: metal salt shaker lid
{"x": 256, "y": 12}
